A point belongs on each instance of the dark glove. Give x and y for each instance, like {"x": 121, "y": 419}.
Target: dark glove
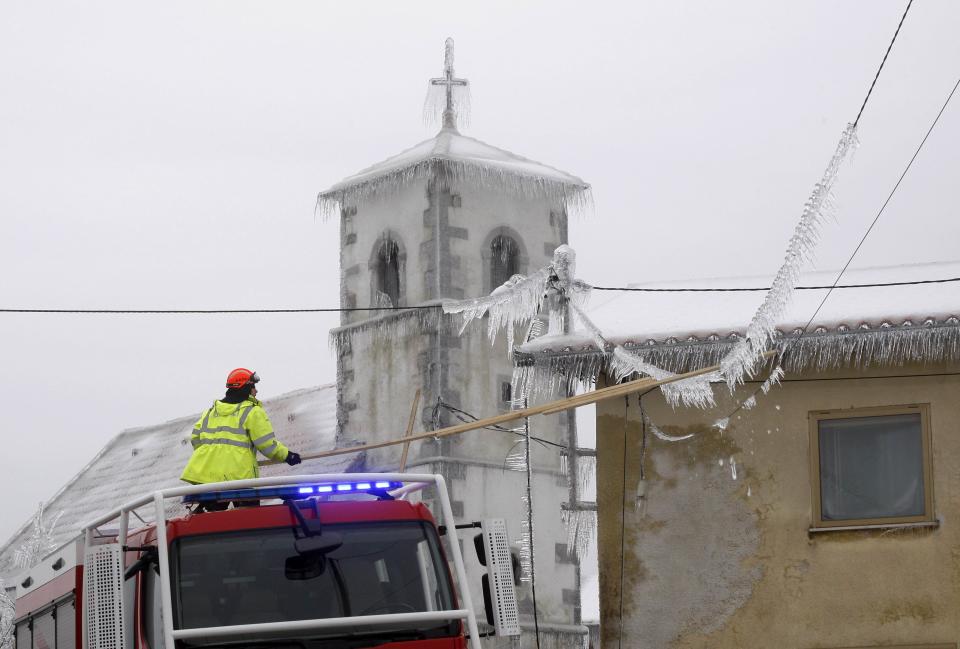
{"x": 292, "y": 458}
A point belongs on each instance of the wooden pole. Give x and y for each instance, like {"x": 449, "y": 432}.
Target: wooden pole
{"x": 413, "y": 418}
{"x": 544, "y": 409}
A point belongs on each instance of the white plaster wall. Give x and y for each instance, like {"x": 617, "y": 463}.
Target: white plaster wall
{"x": 386, "y": 372}
{"x": 401, "y": 212}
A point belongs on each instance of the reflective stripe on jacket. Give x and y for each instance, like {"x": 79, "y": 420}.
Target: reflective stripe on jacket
{"x": 226, "y": 440}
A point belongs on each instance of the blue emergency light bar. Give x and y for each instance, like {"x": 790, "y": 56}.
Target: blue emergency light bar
{"x": 295, "y": 492}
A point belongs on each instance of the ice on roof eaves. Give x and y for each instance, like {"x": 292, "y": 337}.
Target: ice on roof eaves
{"x": 451, "y": 158}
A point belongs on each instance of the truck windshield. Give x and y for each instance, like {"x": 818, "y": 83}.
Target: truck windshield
{"x": 242, "y": 578}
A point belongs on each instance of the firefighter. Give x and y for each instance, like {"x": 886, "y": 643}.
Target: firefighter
{"x": 229, "y": 434}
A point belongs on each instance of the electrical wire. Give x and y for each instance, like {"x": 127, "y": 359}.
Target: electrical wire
{"x": 836, "y": 282}
{"x": 886, "y": 54}
{"x": 440, "y": 306}
{"x": 885, "y": 203}
{"x": 467, "y": 417}
{"x": 640, "y": 289}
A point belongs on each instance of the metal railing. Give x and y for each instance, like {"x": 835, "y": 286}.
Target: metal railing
{"x": 411, "y": 483}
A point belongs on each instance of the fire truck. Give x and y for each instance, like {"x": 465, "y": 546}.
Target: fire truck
{"x": 339, "y": 561}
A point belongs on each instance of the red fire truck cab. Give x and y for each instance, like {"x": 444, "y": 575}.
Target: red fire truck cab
{"x": 311, "y": 571}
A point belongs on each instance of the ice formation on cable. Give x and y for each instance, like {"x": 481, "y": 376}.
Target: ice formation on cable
{"x": 515, "y": 303}
{"x": 519, "y": 300}
{"x": 659, "y": 434}
{"x": 743, "y": 359}
{"x": 696, "y": 391}
{"x": 775, "y": 375}
{"x": 39, "y": 542}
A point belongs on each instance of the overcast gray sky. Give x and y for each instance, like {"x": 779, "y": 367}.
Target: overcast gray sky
{"x": 167, "y": 155}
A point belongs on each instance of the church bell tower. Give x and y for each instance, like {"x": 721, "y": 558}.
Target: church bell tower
{"x": 451, "y": 218}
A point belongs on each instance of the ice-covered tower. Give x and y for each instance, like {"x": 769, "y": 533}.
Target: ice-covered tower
{"x": 449, "y": 218}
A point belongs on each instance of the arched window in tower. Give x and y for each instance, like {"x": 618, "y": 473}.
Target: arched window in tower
{"x": 387, "y": 274}
{"x": 504, "y": 259}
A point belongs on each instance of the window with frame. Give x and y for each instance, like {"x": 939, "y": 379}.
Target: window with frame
{"x": 871, "y": 466}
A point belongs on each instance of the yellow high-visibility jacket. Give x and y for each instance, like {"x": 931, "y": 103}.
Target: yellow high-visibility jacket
{"x": 226, "y": 440}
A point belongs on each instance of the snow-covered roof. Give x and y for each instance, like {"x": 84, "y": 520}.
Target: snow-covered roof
{"x": 856, "y": 326}
{"x": 456, "y": 157}
{"x": 141, "y": 460}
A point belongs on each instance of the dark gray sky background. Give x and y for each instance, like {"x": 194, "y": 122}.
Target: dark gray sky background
{"x": 167, "y": 155}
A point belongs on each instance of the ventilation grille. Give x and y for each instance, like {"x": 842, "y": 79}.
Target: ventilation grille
{"x": 506, "y": 618}
{"x": 103, "y": 597}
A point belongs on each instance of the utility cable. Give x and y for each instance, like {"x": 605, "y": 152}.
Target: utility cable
{"x": 877, "y": 75}
{"x": 468, "y": 417}
{"x": 884, "y": 206}
{"x": 836, "y": 282}
{"x": 425, "y": 307}
{"x": 640, "y": 289}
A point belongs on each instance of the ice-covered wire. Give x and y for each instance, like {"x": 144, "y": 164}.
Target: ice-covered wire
{"x": 742, "y": 360}
{"x": 777, "y": 373}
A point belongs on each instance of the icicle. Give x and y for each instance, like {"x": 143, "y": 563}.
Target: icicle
{"x": 515, "y": 303}
{"x": 749, "y": 402}
{"x": 772, "y": 380}
{"x": 516, "y": 459}
{"x": 390, "y": 326}
{"x": 586, "y": 474}
{"x": 742, "y": 360}
{"x": 436, "y": 102}
{"x": 7, "y": 614}
{"x": 527, "y": 558}
{"x": 733, "y": 468}
{"x": 581, "y": 530}
{"x": 486, "y": 178}
{"x": 39, "y": 542}
{"x": 749, "y": 491}
{"x": 659, "y": 434}
{"x": 722, "y": 423}
{"x": 696, "y": 391}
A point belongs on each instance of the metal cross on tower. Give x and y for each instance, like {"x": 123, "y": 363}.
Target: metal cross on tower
{"x": 449, "y": 81}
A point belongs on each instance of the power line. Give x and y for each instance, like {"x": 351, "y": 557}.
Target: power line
{"x": 219, "y": 311}
{"x": 885, "y": 203}
{"x": 836, "y": 282}
{"x": 877, "y": 75}
{"x": 728, "y": 289}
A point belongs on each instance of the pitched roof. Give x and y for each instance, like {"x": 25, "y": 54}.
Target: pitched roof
{"x": 682, "y": 330}
{"x": 141, "y": 460}
{"x": 457, "y": 157}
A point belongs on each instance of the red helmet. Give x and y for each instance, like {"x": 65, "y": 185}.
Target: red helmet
{"x": 240, "y": 377}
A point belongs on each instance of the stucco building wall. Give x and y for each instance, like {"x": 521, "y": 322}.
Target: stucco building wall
{"x": 716, "y": 561}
